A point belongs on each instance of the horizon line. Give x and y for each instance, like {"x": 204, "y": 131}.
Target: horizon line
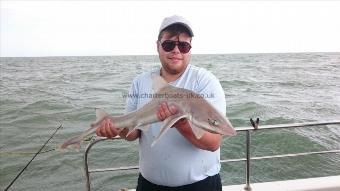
{"x": 117, "y": 55}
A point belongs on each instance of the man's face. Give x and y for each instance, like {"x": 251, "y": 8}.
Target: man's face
{"x": 174, "y": 62}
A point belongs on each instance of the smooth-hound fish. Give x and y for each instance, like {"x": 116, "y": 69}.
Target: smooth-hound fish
{"x": 202, "y": 116}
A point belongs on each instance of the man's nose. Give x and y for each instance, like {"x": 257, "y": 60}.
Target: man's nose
{"x": 176, "y": 49}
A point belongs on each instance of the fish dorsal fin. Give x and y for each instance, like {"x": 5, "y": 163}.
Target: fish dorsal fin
{"x": 100, "y": 114}
{"x": 158, "y": 82}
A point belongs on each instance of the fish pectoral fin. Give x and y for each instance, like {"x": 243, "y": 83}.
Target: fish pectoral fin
{"x": 167, "y": 124}
{"x": 198, "y": 132}
{"x": 75, "y": 141}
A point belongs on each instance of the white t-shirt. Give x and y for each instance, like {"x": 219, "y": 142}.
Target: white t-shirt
{"x": 173, "y": 160}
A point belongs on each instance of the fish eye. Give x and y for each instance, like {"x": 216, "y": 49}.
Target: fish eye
{"x": 213, "y": 122}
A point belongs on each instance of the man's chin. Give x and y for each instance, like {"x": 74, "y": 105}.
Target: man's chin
{"x": 174, "y": 67}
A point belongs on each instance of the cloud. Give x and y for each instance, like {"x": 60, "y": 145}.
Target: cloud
{"x": 85, "y": 28}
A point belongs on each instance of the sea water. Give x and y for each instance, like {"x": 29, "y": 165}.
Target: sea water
{"x": 39, "y": 94}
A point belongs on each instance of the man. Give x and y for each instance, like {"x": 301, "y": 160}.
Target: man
{"x": 179, "y": 161}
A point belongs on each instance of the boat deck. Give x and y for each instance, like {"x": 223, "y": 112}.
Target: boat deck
{"x": 329, "y": 183}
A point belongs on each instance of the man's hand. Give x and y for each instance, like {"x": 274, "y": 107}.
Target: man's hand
{"x": 107, "y": 129}
{"x": 164, "y": 111}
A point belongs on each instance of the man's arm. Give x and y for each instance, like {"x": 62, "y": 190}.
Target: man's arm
{"x": 209, "y": 141}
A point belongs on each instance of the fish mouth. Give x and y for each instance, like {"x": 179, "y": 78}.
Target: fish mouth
{"x": 225, "y": 130}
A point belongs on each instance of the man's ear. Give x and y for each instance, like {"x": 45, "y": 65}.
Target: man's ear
{"x": 158, "y": 44}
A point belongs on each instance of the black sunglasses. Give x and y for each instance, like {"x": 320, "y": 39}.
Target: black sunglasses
{"x": 169, "y": 45}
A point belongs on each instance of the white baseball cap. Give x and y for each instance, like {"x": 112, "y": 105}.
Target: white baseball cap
{"x": 175, "y": 19}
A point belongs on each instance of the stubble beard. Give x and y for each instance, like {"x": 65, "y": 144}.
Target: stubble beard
{"x": 174, "y": 70}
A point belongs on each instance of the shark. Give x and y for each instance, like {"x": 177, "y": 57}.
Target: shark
{"x": 201, "y": 115}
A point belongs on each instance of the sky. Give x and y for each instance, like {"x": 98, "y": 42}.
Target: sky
{"x": 105, "y": 28}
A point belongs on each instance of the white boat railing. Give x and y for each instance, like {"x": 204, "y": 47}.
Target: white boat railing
{"x": 255, "y": 127}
